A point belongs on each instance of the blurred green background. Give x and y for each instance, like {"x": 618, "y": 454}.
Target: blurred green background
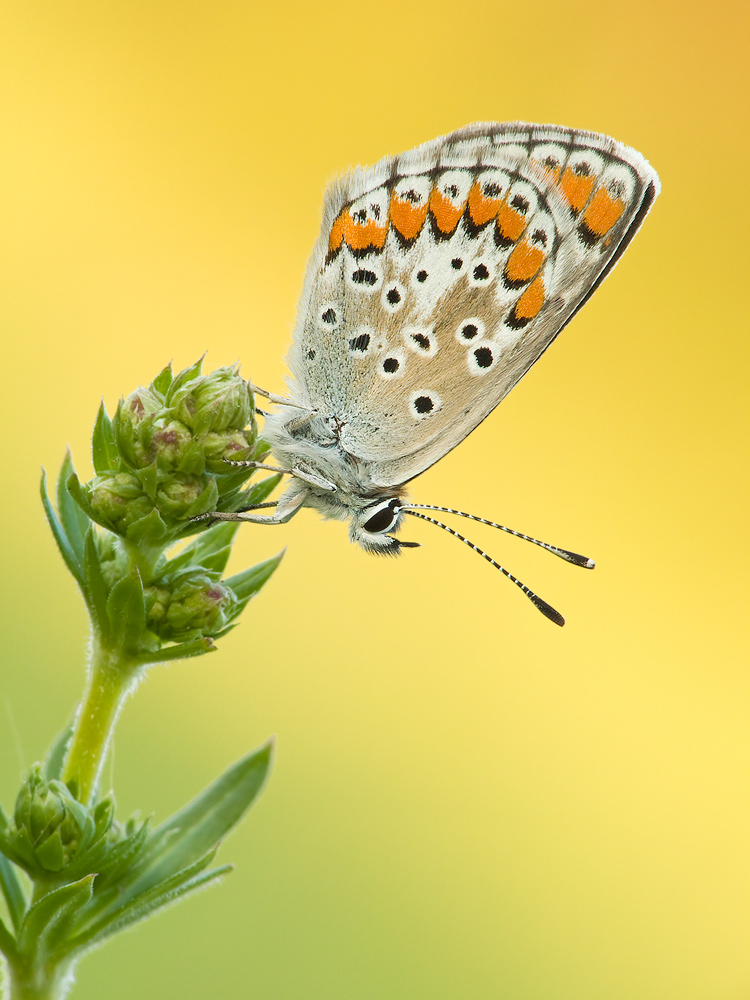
{"x": 467, "y": 801}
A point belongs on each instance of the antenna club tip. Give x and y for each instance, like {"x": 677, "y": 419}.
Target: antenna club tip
{"x": 590, "y": 564}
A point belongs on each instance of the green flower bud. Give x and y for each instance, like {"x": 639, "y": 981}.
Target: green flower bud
{"x": 157, "y": 602}
{"x": 50, "y": 826}
{"x": 233, "y": 446}
{"x": 193, "y": 604}
{"x": 176, "y": 494}
{"x": 173, "y": 447}
{"x": 133, "y": 423}
{"x": 220, "y": 401}
{"x": 117, "y": 501}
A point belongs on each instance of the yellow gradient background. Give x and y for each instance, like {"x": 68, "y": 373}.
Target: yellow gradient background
{"x": 466, "y": 801}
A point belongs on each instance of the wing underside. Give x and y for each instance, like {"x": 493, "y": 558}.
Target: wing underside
{"x": 443, "y": 274}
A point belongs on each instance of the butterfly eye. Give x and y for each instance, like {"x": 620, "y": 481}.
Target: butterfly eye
{"x": 383, "y": 516}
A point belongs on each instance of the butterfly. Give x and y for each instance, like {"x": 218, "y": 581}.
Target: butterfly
{"x": 439, "y": 278}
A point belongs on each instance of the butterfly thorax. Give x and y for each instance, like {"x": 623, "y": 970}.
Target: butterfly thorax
{"x": 312, "y": 445}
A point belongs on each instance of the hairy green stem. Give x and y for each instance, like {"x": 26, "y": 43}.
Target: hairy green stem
{"x": 38, "y": 984}
{"x": 110, "y": 679}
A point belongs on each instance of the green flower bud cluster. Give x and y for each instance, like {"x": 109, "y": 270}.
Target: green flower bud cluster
{"x": 163, "y": 458}
{"x": 160, "y": 462}
{"x": 190, "y": 604}
{"x": 52, "y": 831}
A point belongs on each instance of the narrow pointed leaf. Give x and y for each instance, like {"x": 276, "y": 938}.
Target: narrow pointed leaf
{"x": 212, "y": 544}
{"x": 76, "y": 491}
{"x": 121, "y": 856}
{"x": 103, "y": 447}
{"x": 149, "y": 530}
{"x": 49, "y": 921}
{"x": 246, "y": 584}
{"x": 53, "y": 762}
{"x": 148, "y": 477}
{"x": 63, "y": 543}
{"x": 184, "y": 376}
{"x": 205, "y": 501}
{"x": 97, "y": 592}
{"x": 143, "y": 907}
{"x": 126, "y": 610}
{"x": 203, "y": 822}
{"x": 15, "y": 897}
{"x": 7, "y": 942}
{"x": 163, "y": 380}
{"x": 114, "y": 867}
{"x": 262, "y": 448}
{"x": 213, "y": 562}
{"x": 225, "y": 631}
{"x": 181, "y": 651}
{"x": 75, "y": 523}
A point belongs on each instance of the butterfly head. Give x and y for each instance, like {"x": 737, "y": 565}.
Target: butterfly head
{"x": 371, "y": 527}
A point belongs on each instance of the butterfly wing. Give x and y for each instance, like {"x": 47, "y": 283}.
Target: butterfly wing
{"x": 443, "y": 274}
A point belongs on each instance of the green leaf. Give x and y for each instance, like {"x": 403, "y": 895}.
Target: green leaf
{"x": 63, "y": 543}
{"x": 163, "y": 380}
{"x": 103, "y": 446}
{"x": 262, "y": 448}
{"x": 121, "y": 857}
{"x": 180, "y": 651}
{"x": 48, "y": 923}
{"x": 148, "y": 477}
{"x": 15, "y": 897}
{"x": 53, "y": 762}
{"x": 149, "y": 530}
{"x": 246, "y": 584}
{"x": 225, "y": 631}
{"x": 7, "y": 942}
{"x": 74, "y": 521}
{"x": 147, "y": 903}
{"x": 205, "y": 501}
{"x": 49, "y": 854}
{"x": 76, "y": 491}
{"x": 97, "y": 592}
{"x": 184, "y": 376}
{"x": 203, "y": 822}
{"x": 210, "y": 550}
{"x": 126, "y": 611}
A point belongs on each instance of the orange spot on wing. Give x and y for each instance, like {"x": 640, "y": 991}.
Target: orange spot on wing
{"x": 364, "y": 235}
{"x": 532, "y": 300}
{"x": 510, "y": 223}
{"x": 337, "y": 232}
{"x": 444, "y": 212}
{"x": 576, "y": 188}
{"x": 523, "y": 263}
{"x": 406, "y": 217}
{"x": 482, "y": 209}
{"x": 603, "y": 212}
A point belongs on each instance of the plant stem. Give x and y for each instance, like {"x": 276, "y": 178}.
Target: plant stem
{"x": 38, "y": 984}
{"x": 110, "y": 680}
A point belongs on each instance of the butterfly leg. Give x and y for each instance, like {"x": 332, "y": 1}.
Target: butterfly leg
{"x": 242, "y": 515}
{"x": 306, "y": 475}
{"x": 286, "y": 508}
{"x": 273, "y": 398}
